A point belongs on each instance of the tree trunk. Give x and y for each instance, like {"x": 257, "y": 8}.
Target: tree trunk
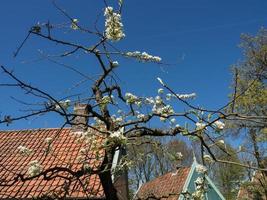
{"x": 105, "y": 178}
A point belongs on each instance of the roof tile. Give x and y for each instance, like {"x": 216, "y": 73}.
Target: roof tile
{"x": 64, "y": 153}
{"x": 173, "y": 183}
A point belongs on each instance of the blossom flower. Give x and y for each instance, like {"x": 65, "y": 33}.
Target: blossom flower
{"x": 186, "y": 96}
{"x": 158, "y": 100}
{"x": 173, "y": 121}
{"x": 219, "y": 125}
{"x": 74, "y": 25}
{"x": 143, "y": 56}
{"x": 208, "y": 158}
{"x": 34, "y": 168}
{"x": 106, "y": 99}
{"x": 168, "y": 96}
{"x": 113, "y": 25}
{"x": 220, "y": 142}
{"x": 200, "y": 126}
{"x": 179, "y": 156}
{"x": 163, "y": 119}
{"x": 24, "y": 150}
{"x": 131, "y": 99}
{"x": 160, "y": 91}
{"x": 201, "y": 169}
{"x": 199, "y": 181}
{"x": 48, "y": 140}
{"x": 64, "y": 104}
{"x": 140, "y": 116}
{"x": 115, "y": 63}
{"x": 149, "y": 100}
{"x": 118, "y": 119}
{"x": 117, "y": 137}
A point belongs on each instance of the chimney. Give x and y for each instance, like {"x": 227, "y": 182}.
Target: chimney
{"x": 81, "y": 120}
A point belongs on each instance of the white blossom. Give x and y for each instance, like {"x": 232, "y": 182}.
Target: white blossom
{"x": 48, "y": 140}
{"x": 149, "y": 100}
{"x": 115, "y": 63}
{"x": 168, "y": 96}
{"x": 74, "y": 25}
{"x": 160, "y": 91}
{"x": 64, "y": 104}
{"x": 200, "y": 126}
{"x": 173, "y": 121}
{"x": 186, "y": 96}
{"x": 34, "y": 168}
{"x": 118, "y": 119}
{"x": 220, "y": 142}
{"x": 163, "y": 119}
{"x": 160, "y": 81}
{"x": 219, "y": 125}
{"x": 113, "y": 25}
{"x": 24, "y": 150}
{"x": 199, "y": 181}
{"x": 106, "y": 99}
{"x": 143, "y": 56}
{"x": 208, "y": 158}
{"x": 140, "y": 116}
{"x": 201, "y": 169}
{"x": 158, "y": 100}
{"x": 117, "y": 137}
{"x": 131, "y": 99}
{"x": 179, "y": 156}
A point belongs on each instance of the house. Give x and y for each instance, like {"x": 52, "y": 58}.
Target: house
{"x": 177, "y": 185}
{"x": 62, "y": 153}
{"x": 254, "y": 189}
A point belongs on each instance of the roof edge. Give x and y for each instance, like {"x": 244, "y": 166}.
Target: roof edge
{"x": 33, "y": 129}
{"x": 186, "y": 184}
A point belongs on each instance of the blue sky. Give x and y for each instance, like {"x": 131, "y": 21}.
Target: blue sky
{"x": 198, "y": 39}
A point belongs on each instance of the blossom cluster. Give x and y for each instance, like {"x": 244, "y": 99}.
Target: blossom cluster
{"x": 113, "y": 25}
{"x": 132, "y": 99}
{"x": 187, "y": 96}
{"x": 160, "y": 108}
{"x": 200, "y": 126}
{"x": 24, "y": 150}
{"x": 200, "y": 189}
{"x": 117, "y": 137}
{"x": 219, "y": 125}
{"x": 34, "y": 168}
{"x": 201, "y": 169}
{"x": 64, "y": 104}
{"x": 143, "y": 56}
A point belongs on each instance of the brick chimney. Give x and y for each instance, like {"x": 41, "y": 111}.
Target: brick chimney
{"x": 81, "y": 120}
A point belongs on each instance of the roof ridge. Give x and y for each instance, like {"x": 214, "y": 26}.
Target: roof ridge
{"x": 33, "y": 129}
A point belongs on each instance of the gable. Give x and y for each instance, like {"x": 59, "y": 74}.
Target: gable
{"x": 212, "y": 194}
{"x": 64, "y": 153}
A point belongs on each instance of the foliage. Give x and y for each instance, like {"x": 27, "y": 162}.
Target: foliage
{"x": 228, "y": 177}
{"x": 153, "y": 157}
{"x": 250, "y": 98}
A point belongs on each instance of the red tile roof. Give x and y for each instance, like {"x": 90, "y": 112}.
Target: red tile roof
{"x": 166, "y": 187}
{"x": 64, "y": 153}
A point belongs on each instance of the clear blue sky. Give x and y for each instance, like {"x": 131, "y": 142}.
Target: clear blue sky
{"x": 198, "y": 38}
